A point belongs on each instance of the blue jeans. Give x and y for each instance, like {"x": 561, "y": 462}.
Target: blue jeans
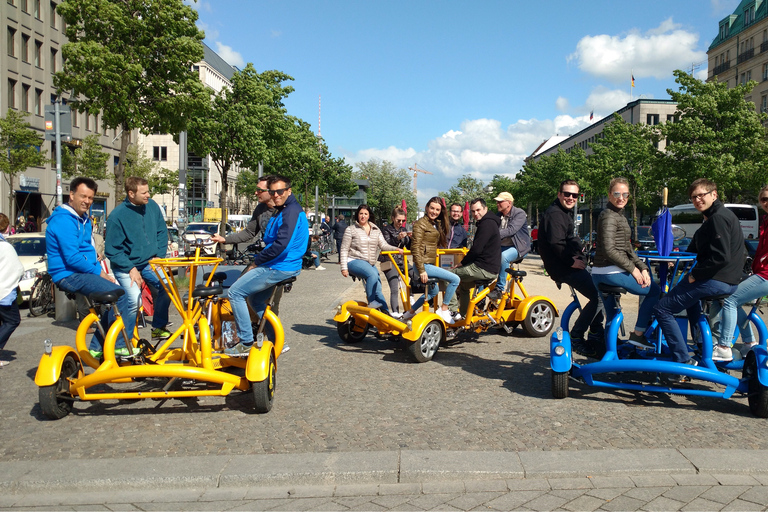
{"x": 255, "y": 287}
{"x": 9, "y": 321}
{"x": 87, "y": 284}
{"x": 452, "y": 282}
{"x": 626, "y": 281}
{"x": 133, "y": 295}
{"x": 590, "y": 317}
{"x": 508, "y": 255}
{"x": 370, "y": 276}
{"x": 750, "y": 289}
{"x": 316, "y": 256}
{"x": 685, "y": 296}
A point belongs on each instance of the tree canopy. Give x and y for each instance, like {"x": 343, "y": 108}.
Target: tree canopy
{"x": 20, "y": 146}
{"x": 88, "y": 160}
{"x": 389, "y": 186}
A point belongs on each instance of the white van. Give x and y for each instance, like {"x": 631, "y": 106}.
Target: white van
{"x": 689, "y": 218}
{"x": 238, "y": 222}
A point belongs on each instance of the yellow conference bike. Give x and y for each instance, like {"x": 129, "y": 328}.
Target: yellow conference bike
{"x": 190, "y": 363}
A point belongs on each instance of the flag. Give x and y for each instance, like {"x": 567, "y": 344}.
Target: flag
{"x": 662, "y": 234}
{"x": 633, "y": 80}
{"x": 466, "y": 215}
{"x": 591, "y": 114}
{"x": 405, "y": 209}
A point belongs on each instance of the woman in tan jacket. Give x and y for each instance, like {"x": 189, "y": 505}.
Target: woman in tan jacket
{"x": 429, "y": 233}
{"x": 360, "y": 249}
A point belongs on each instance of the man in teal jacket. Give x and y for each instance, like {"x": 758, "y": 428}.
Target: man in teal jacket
{"x": 136, "y": 233}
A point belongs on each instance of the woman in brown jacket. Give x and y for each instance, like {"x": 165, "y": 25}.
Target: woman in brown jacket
{"x": 429, "y": 233}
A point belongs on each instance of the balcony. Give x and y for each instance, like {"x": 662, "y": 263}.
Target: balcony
{"x": 764, "y": 46}
{"x": 721, "y": 68}
{"x": 745, "y": 56}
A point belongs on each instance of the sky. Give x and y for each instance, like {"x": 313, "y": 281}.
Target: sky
{"x": 461, "y": 87}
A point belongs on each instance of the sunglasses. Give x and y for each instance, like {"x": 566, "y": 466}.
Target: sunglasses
{"x": 764, "y": 199}
{"x": 277, "y": 192}
{"x": 701, "y": 197}
{"x": 260, "y": 190}
{"x": 574, "y": 195}
{"x": 619, "y": 195}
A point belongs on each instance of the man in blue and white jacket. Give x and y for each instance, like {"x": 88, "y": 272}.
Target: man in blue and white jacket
{"x": 286, "y": 236}
{"x": 72, "y": 260}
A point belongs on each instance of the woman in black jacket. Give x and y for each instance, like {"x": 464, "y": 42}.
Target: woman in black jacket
{"x": 395, "y": 234}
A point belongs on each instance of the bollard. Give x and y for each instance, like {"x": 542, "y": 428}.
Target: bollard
{"x": 65, "y": 308}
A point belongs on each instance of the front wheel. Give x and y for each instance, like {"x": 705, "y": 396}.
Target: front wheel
{"x": 264, "y": 391}
{"x": 425, "y": 347}
{"x": 41, "y": 297}
{"x": 540, "y": 319}
{"x": 350, "y": 332}
{"x": 54, "y": 399}
{"x": 559, "y": 384}
{"x": 757, "y": 396}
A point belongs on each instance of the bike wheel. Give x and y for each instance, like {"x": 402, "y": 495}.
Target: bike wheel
{"x": 41, "y": 297}
{"x": 54, "y": 401}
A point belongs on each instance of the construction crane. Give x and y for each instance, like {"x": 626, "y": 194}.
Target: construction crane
{"x": 416, "y": 169}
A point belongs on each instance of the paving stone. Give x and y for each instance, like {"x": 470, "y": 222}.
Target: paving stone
{"x": 686, "y": 493}
{"x": 529, "y": 484}
{"x": 442, "y": 487}
{"x": 431, "y": 501}
{"x": 469, "y": 501}
{"x": 514, "y": 499}
{"x": 724, "y": 493}
{"x": 696, "y": 480}
{"x": 628, "y": 503}
{"x": 607, "y": 493}
{"x": 737, "y": 505}
{"x": 646, "y": 493}
{"x": 653, "y": 480}
{"x": 730, "y": 479}
{"x": 570, "y": 483}
{"x": 411, "y": 489}
{"x": 545, "y": 502}
{"x": 584, "y": 502}
{"x": 312, "y": 491}
{"x": 356, "y": 490}
{"x": 604, "y": 482}
{"x": 702, "y": 504}
{"x": 756, "y": 495}
{"x": 485, "y": 485}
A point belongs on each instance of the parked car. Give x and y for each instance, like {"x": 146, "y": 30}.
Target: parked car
{"x": 198, "y": 231}
{"x": 173, "y": 243}
{"x": 31, "y": 250}
{"x": 681, "y": 245}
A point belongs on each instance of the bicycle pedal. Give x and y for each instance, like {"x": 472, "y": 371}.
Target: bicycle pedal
{"x": 507, "y": 328}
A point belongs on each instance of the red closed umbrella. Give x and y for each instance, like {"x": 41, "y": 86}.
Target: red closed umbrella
{"x": 405, "y": 209}
{"x": 466, "y": 215}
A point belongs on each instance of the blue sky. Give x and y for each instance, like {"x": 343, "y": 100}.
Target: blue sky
{"x": 461, "y": 87}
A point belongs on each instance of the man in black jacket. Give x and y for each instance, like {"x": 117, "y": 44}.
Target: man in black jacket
{"x": 483, "y": 260}
{"x": 719, "y": 248}
{"x": 338, "y": 233}
{"x": 561, "y": 252}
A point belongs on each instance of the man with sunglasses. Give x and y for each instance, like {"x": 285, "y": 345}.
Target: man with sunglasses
{"x": 261, "y": 215}
{"x": 286, "y": 237}
{"x": 563, "y": 256}
{"x": 720, "y": 255}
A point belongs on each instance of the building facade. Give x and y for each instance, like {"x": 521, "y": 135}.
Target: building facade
{"x": 739, "y": 52}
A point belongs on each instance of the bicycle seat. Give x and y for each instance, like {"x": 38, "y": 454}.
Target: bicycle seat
{"x": 518, "y": 273}
{"x": 218, "y": 277}
{"x": 289, "y": 280}
{"x": 106, "y": 297}
{"x": 615, "y": 290}
{"x": 207, "y": 291}
{"x": 721, "y": 296}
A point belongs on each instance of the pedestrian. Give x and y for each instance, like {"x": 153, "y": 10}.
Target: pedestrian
{"x": 338, "y": 233}
{"x": 515, "y": 240}
{"x": 562, "y": 253}
{"x": 9, "y": 282}
{"x": 31, "y": 225}
{"x": 136, "y": 233}
{"x": 429, "y": 233}
{"x": 395, "y": 234}
{"x": 617, "y": 263}
{"x": 720, "y": 255}
{"x": 360, "y": 248}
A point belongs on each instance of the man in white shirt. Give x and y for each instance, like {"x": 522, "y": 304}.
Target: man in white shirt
{"x": 9, "y": 281}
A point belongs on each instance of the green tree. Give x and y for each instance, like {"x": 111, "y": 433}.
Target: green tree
{"x": 89, "y": 160}
{"x": 465, "y": 189}
{"x": 716, "y": 134}
{"x": 20, "y": 146}
{"x": 164, "y": 181}
{"x": 132, "y": 61}
{"x": 389, "y": 186}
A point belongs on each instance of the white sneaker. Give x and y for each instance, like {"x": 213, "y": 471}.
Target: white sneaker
{"x": 722, "y": 353}
{"x": 374, "y": 304}
{"x": 396, "y": 314}
{"x": 747, "y": 347}
{"x": 320, "y": 268}
{"x": 408, "y": 315}
{"x": 446, "y": 315}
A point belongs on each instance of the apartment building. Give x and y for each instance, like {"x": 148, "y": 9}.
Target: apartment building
{"x": 739, "y": 52}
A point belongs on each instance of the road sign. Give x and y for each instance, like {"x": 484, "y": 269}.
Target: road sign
{"x": 65, "y": 122}
{"x": 578, "y": 219}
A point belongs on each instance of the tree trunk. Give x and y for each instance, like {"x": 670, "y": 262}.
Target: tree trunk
{"x": 12, "y": 215}
{"x": 125, "y": 139}
{"x": 223, "y": 172}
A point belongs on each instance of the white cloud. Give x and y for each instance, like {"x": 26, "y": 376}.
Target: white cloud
{"x": 229, "y": 55}
{"x": 654, "y": 54}
{"x": 606, "y": 101}
{"x": 211, "y": 34}
{"x": 562, "y": 104}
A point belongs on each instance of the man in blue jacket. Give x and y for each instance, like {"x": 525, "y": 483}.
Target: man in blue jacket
{"x": 286, "y": 236}
{"x": 136, "y": 233}
{"x": 72, "y": 260}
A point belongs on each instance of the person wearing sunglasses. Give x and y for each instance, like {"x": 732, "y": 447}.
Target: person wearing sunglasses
{"x": 562, "y": 253}
{"x": 720, "y": 255}
{"x": 617, "y": 263}
{"x": 286, "y": 237}
{"x": 395, "y": 234}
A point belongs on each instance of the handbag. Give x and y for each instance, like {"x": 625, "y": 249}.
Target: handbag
{"x": 386, "y": 265}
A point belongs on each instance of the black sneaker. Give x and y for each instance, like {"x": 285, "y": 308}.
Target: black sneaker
{"x": 495, "y": 295}
{"x": 682, "y": 379}
{"x": 640, "y": 341}
{"x": 582, "y": 348}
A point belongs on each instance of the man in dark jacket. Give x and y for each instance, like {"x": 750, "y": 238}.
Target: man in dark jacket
{"x": 719, "y": 248}
{"x": 458, "y": 235}
{"x": 515, "y": 240}
{"x": 338, "y": 233}
{"x": 482, "y": 262}
{"x": 565, "y": 262}
{"x": 259, "y": 220}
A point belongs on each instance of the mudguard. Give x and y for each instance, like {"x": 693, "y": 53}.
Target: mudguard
{"x": 257, "y": 365}
{"x": 49, "y": 369}
{"x": 560, "y": 362}
{"x": 418, "y": 323}
{"x": 762, "y": 360}
{"x": 343, "y": 314}
{"x": 521, "y": 311}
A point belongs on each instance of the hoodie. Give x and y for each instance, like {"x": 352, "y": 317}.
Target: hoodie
{"x": 69, "y": 244}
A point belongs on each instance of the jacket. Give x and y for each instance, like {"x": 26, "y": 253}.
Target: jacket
{"x": 457, "y": 236}
{"x": 486, "y": 247}
{"x": 424, "y": 243}
{"x": 135, "y": 235}
{"x": 559, "y": 246}
{"x": 719, "y": 246}
{"x": 286, "y": 237}
{"x": 255, "y": 226}
{"x": 614, "y": 246}
{"x": 391, "y": 236}
{"x": 338, "y": 229}
{"x": 359, "y": 245}
{"x": 68, "y": 244}
{"x": 516, "y": 233}
{"x": 760, "y": 263}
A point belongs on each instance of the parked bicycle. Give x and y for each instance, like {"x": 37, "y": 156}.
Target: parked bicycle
{"x": 42, "y": 298}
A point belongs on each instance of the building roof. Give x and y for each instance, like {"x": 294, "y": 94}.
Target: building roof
{"x": 733, "y": 24}
{"x": 217, "y": 63}
{"x": 549, "y": 143}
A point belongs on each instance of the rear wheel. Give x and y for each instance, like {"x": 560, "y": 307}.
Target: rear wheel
{"x": 41, "y": 297}
{"x": 540, "y": 319}
{"x": 54, "y": 399}
{"x": 350, "y": 332}
{"x": 559, "y": 384}
{"x": 757, "y": 393}
{"x": 264, "y": 391}
{"x": 425, "y": 347}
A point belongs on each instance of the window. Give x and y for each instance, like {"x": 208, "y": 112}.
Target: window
{"x": 38, "y": 102}
{"x": 25, "y": 5}
{"x": 87, "y": 121}
{"x": 652, "y": 119}
{"x": 25, "y": 97}
{"x": 671, "y": 118}
{"x": 11, "y": 42}
{"x": 54, "y": 54}
{"x": 11, "y": 93}
{"x": 24, "y": 48}
{"x": 75, "y": 116}
{"x": 763, "y": 104}
{"x": 749, "y": 75}
{"x": 39, "y": 54}
{"x": 53, "y": 15}
{"x": 743, "y": 78}
{"x": 36, "y": 9}
{"x": 96, "y": 123}
{"x": 765, "y": 72}
{"x": 12, "y": 2}
{"x": 160, "y": 153}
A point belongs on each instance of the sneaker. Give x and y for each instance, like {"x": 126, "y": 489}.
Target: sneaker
{"x": 374, "y": 304}
{"x": 682, "y": 378}
{"x": 495, "y": 295}
{"x": 123, "y": 352}
{"x": 396, "y": 314}
{"x": 746, "y": 348}
{"x": 161, "y": 333}
{"x": 320, "y": 267}
{"x": 580, "y": 347}
{"x": 4, "y": 363}
{"x": 640, "y": 341}
{"x": 239, "y": 350}
{"x": 722, "y": 353}
{"x": 408, "y": 315}
{"x": 96, "y": 354}
{"x": 446, "y": 315}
